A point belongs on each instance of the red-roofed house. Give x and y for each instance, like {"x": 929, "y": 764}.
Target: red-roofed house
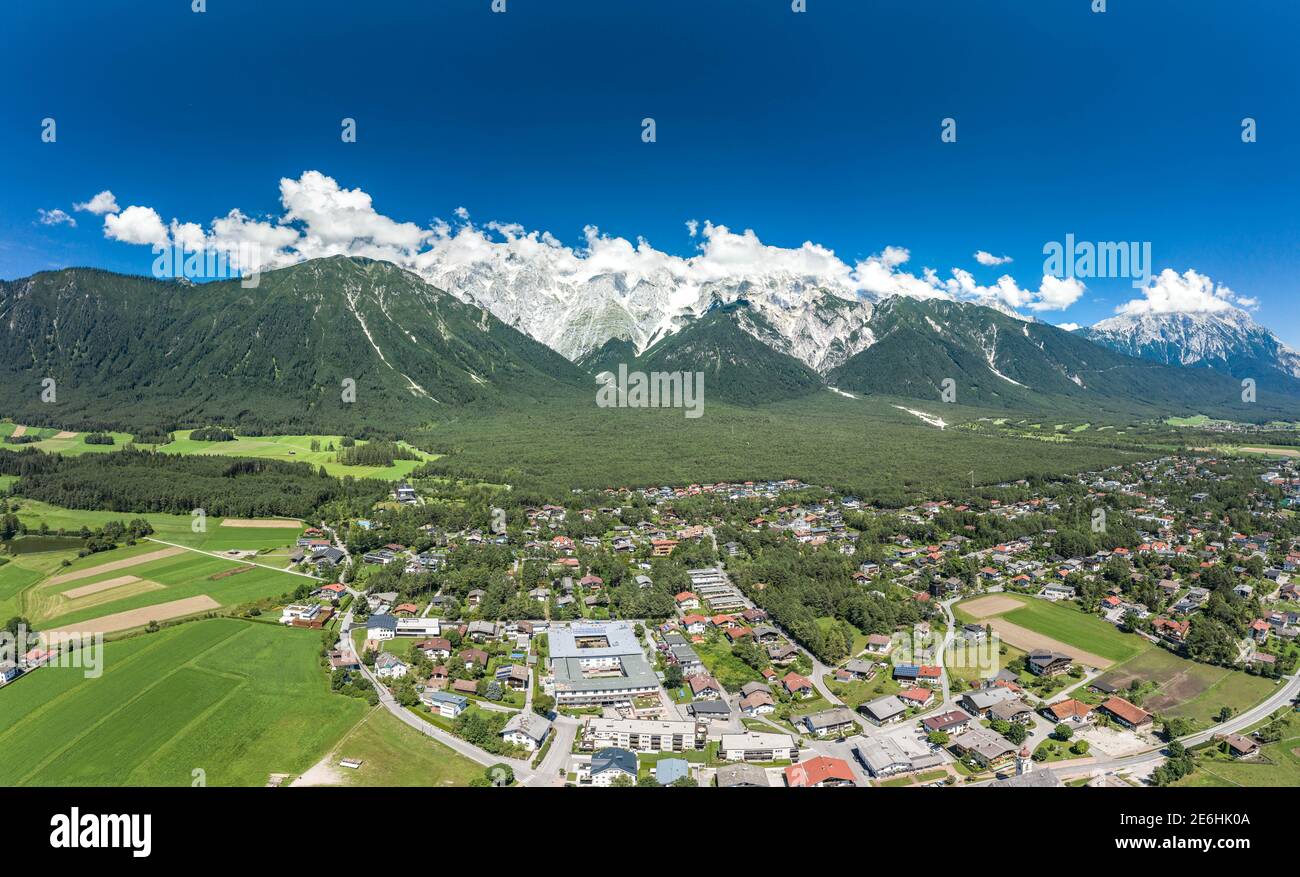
{"x": 819, "y": 772}
{"x": 798, "y": 686}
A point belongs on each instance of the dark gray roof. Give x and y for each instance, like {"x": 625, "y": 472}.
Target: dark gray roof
{"x": 613, "y": 758}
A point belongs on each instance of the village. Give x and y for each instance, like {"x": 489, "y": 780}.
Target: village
{"x": 1002, "y": 650}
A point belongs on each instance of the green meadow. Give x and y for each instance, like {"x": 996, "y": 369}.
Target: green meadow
{"x": 395, "y": 754}
{"x": 169, "y": 528}
{"x": 293, "y": 449}
{"x": 1071, "y": 625}
{"x": 235, "y": 700}
{"x": 76, "y": 444}
{"x": 187, "y": 574}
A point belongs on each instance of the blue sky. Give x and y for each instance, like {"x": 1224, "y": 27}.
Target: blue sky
{"x": 822, "y": 126}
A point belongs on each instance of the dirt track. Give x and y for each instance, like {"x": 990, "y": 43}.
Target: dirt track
{"x": 114, "y": 565}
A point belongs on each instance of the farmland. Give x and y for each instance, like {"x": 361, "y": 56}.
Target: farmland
{"x": 1068, "y": 625}
{"x": 63, "y": 442}
{"x": 235, "y": 699}
{"x": 131, "y": 578}
{"x": 1183, "y": 688}
{"x": 392, "y": 754}
{"x": 291, "y": 449}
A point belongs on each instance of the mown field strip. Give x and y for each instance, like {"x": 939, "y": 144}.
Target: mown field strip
{"x": 113, "y": 566}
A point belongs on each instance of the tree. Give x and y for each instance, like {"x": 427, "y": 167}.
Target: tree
{"x": 500, "y": 774}
{"x": 1063, "y": 732}
{"x": 1016, "y": 733}
{"x": 1080, "y": 747}
{"x": 672, "y": 676}
{"x": 622, "y": 781}
{"x": 1224, "y": 714}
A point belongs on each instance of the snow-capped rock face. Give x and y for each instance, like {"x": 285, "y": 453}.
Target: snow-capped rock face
{"x": 574, "y": 315}
{"x": 1228, "y": 340}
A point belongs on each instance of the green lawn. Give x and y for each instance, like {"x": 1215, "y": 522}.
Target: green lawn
{"x": 235, "y": 699}
{"x": 395, "y": 754}
{"x": 1278, "y": 764}
{"x": 291, "y": 448}
{"x": 725, "y": 667}
{"x": 960, "y": 677}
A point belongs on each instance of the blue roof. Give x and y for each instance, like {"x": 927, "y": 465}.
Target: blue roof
{"x": 907, "y": 671}
{"x": 670, "y": 769}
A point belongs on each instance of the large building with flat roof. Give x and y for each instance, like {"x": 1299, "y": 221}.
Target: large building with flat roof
{"x": 598, "y": 663}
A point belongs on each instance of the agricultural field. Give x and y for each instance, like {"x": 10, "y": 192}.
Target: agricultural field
{"x": 293, "y": 449}
{"x": 391, "y": 754}
{"x": 61, "y": 441}
{"x": 237, "y": 700}
{"x": 216, "y": 535}
{"x": 1187, "y": 689}
{"x": 127, "y": 587}
{"x": 1044, "y": 624}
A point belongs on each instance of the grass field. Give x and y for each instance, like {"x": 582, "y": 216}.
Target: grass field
{"x": 395, "y": 754}
{"x": 171, "y": 528}
{"x": 234, "y": 699}
{"x": 1278, "y": 764}
{"x": 181, "y": 574}
{"x": 70, "y": 444}
{"x": 1188, "y": 689}
{"x": 724, "y": 666}
{"x": 293, "y": 449}
{"x": 1071, "y": 626}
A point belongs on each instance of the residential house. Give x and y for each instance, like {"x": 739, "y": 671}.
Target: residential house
{"x": 526, "y": 729}
{"x": 819, "y": 772}
{"x": 837, "y": 722}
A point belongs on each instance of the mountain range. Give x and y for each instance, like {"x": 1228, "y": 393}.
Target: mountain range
{"x": 126, "y": 351}
{"x": 821, "y": 324}
{"x": 1227, "y": 340}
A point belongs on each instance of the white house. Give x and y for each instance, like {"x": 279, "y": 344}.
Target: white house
{"x": 526, "y": 729}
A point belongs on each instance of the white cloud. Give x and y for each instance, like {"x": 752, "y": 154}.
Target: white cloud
{"x": 321, "y": 218}
{"x": 1069, "y": 327}
{"x": 1188, "y": 293}
{"x": 101, "y": 204}
{"x": 55, "y": 217}
{"x": 987, "y": 258}
{"x": 136, "y": 225}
